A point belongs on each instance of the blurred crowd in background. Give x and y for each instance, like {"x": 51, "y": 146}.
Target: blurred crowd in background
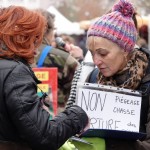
{"x": 74, "y": 17}
{"x": 70, "y": 20}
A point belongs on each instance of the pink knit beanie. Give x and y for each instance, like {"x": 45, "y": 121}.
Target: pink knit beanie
{"x": 117, "y": 26}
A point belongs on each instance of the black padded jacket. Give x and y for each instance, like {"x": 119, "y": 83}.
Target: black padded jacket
{"x": 22, "y": 119}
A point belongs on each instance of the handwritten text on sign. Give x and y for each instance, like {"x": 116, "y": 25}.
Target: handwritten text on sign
{"x": 42, "y": 75}
{"x": 109, "y": 110}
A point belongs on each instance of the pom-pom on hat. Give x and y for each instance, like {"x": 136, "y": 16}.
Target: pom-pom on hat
{"x": 117, "y": 26}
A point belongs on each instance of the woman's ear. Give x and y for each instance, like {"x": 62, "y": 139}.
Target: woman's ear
{"x": 126, "y": 55}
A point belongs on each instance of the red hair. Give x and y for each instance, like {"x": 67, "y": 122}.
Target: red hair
{"x": 143, "y": 32}
{"x": 21, "y": 32}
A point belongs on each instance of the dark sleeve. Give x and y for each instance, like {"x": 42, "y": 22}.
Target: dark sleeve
{"x": 145, "y": 144}
{"x": 31, "y": 120}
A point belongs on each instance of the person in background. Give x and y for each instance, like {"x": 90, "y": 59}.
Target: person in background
{"x": 75, "y": 51}
{"x": 68, "y": 39}
{"x": 111, "y": 40}
{"x": 24, "y": 124}
{"x": 58, "y": 58}
{"x": 143, "y": 37}
{"x": 81, "y": 40}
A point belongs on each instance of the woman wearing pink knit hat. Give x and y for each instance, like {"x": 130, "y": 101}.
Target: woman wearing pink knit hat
{"x": 111, "y": 39}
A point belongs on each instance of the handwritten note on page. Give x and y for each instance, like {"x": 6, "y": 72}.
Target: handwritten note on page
{"x": 110, "y": 109}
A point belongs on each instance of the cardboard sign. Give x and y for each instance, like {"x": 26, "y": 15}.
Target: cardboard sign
{"x": 110, "y": 107}
{"x": 48, "y": 76}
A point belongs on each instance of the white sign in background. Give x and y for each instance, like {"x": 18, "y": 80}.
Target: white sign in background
{"x": 109, "y": 110}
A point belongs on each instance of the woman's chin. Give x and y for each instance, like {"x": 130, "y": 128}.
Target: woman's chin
{"x": 107, "y": 74}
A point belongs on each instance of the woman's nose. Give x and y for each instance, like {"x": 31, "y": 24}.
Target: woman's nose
{"x": 97, "y": 60}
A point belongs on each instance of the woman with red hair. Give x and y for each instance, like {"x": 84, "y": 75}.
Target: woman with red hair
{"x": 21, "y": 32}
{"x": 24, "y": 124}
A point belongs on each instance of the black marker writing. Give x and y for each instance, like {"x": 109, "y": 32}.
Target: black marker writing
{"x": 92, "y": 101}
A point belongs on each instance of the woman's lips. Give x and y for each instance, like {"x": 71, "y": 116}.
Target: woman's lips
{"x": 103, "y": 69}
